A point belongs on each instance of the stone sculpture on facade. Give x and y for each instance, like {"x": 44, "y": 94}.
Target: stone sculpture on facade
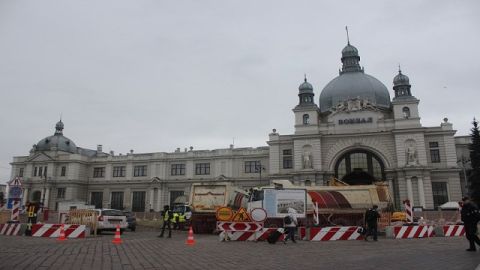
{"x": 411, "y": 153}
{"x": 307, "y": 160}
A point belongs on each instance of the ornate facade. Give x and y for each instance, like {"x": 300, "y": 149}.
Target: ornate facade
{"x": 357, "y": 134}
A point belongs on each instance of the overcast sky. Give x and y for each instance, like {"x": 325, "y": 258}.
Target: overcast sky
{"x": 156, "y": 75}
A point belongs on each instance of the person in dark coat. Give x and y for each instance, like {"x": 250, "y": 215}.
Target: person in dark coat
{"x": 470, "y": 217}
{"x": 371, "y": 220}
{"x": 167, "y": 219}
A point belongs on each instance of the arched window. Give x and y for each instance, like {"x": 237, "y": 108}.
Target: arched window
{"x": 306, "y": 119}
{"x": 406, "y": 112}
{"x": 359, "y": 167}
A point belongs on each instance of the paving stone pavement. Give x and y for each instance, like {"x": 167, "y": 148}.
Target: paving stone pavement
{"x": 143, "y": 250}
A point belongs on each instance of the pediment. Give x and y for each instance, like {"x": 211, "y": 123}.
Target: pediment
{"x": 40, "y": 157}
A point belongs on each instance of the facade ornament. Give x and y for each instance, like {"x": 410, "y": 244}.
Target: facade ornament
{"x": 307, "y": 160}
{"x": 411, "y": 153}
{"x": 353, "y": 105}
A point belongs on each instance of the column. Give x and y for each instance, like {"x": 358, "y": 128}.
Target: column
{"x": 25, "y": 196}
{"x": 421, "y": 192}
{"x": 390, "y": 188}
{"x": 410, "y": 190}
{"x": 159, "y": 200}
{"x": 47, "y": 197}
{"x": 150, "y": 200}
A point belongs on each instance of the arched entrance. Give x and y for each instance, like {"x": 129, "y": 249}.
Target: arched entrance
{"x": 359, "y": 167}
{"x": 36, "y": 196}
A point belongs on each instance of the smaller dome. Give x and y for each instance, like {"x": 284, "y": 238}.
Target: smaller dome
{"x": 56, "y": 142}
{"x": 305, "y": 86}
{"x": 349, "y": 50}
{"x": 401, "y": 79}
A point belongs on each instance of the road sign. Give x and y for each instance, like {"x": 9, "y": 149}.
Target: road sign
{"x": 239, "y": 226}
{"x": 15, "y": 192}
{"x": 241, "y": 216}
{"x": 258, "y": 214}
{"x": 224, "y": 214}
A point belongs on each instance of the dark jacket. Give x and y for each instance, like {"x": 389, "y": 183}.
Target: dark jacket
{"x": 371, "y": 217}
{"x": 470, "y": 213}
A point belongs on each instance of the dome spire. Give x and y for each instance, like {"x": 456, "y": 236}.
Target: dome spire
{"x": 401, "y": 84}
{"x": 348, "y": 38}
{"x": 350, "y": 58}
{"x": 59, "y": 127}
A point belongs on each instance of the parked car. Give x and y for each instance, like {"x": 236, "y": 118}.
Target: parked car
{"x": 131, "y": 220}
{"x": 108, "y": 219}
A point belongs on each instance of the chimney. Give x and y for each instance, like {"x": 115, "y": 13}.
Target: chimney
{"x": 112, "y": 153}
{"x": 99, "y": 148}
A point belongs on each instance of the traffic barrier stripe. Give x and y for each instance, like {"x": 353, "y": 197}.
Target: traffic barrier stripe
{"x": 453, "y": 230}
{"x": 335, "y": 233}
{"x": 53, "y": 230}
{"x": 9, "y": 229}
{"x": 421, "y": 231}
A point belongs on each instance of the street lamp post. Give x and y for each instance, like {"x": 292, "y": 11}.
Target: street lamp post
{"x": 259, "y": 168}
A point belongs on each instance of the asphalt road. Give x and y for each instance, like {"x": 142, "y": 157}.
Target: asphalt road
{"x": 143, "y": 250}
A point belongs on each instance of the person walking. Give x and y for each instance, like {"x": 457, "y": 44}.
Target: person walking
{"x": 371, "y": 221}
{"x": 290, "y": 223}
{"x": 470, "y": 217}
{"x": 167, "y": 217}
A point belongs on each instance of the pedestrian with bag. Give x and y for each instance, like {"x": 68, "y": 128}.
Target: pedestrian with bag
{"x": 290, "y": 223}
{"x": 470, "y": 217}
{"x": 371, "y": 222}
{"x": 167, "y": 217}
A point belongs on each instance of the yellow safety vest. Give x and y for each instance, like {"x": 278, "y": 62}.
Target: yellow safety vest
{"x": 174, "y": 218}
{"x": 165, "y": 216}
{"x": 181, "y": 218}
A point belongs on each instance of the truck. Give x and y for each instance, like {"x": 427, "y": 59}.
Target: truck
{"x": 206, "y": 198}
{"x": 337, "y": 204}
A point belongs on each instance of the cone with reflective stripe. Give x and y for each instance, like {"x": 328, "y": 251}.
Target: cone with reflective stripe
{"x": 190, "y": 239}
{"x": 61, "y": 237}
{"x": 116, "y": 239}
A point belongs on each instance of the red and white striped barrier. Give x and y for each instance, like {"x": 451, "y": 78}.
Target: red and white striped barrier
{"x": 16, "y": 210}
{"x": 453, "y": 230}
{"x": 10, "y": 229}
{"x": 420, "y": 231}
{"x": 335, "y": 233}
{"x": 53, "y": 230}
{"x": 408, "y": 210}
{"x": 239, "y": 226}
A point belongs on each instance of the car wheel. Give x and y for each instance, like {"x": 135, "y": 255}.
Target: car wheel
{"x": 121, "y": 231}
{"x": 99, "y": 231}
{"x": 133, "y": 228}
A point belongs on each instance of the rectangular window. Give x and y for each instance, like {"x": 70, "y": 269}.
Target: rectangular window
{"x": 117, "y": 200}
{"x": 97, "y": 199}
{"x": 35, "y": 171}
{"x": 119, "y": 171}
{"x": 434, "y": 152}
{"x": 178, "y": 169}
{"x": 140, "y": 170}
{"x": 99, "y": 172}
{"x": 287, "y": 159}
{"x": 45, "y": 171}
{"x": 61, "y": 193}
{"x": 64, "y": 171}
{"x": 138, "y": 201}
{"x": 40, "y": 170}
{"x": 202, "y": 168}
{"x": 20, "y": 172}
{"x": 252, "y": 166}
{"x": 440, "y": 193}
{"x": 174, "y": 194}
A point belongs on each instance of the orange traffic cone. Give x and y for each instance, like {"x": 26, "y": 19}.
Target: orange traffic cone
{"x": 116, "y": 239}
{"x": 61, "y": 237}
{"x": 190, "y": 239}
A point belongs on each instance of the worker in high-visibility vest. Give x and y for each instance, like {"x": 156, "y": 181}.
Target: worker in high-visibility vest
{"x": 175, "y": 221}
{"x": 181, "y": 221}
{"x": 167, "y": 217}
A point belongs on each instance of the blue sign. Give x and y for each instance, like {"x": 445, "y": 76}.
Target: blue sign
{"x": 15, "y": 192}
{"x": 10, "y": 203}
